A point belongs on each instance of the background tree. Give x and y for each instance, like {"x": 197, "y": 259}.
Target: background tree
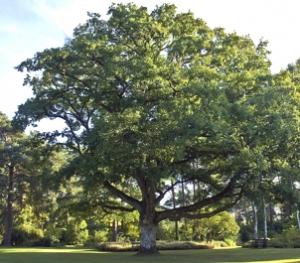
{"x": 27, "y": 165}
{"x": 9, "y": 159}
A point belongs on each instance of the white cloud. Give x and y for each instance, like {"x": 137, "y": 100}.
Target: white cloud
{"x": 8, "y": 28}
{"x": 13, "y": 93}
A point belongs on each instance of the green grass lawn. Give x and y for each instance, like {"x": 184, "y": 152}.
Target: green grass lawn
{"x": 52, "y": 255}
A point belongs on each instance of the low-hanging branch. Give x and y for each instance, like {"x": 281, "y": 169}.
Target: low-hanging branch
{"x": 117, "y": 207}
{"x": 205, "y": 176}
{"x": 124, "y": 197}
{"x": 183, "y": 211}
{"x": 207, "y": 214}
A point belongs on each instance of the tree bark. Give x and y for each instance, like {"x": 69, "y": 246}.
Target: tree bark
{"x": 148, "y": 237}
{"x": 183, "y": 205}
{"x": 8, "y": 217}
{"x": 174, "y": 206}
{"x": 194, "y": 235}
{"x": 271, "y": 215}
{"x": 255, "y": 222}
{"x": 148, "y": 222}
{"x": 114, "y": 230}
{"x": 298, "y": 218}
{"x": 265, "y": 219}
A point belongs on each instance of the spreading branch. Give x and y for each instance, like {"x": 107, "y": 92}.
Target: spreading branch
{"x": 181, "y": 212}
{"x": 117, "y": 207}
{"x": 124, "y": 197}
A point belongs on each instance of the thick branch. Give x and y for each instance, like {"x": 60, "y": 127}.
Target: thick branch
{"x": 207, "y": 214}
{"x": 124, "y": 197}
{"x": 116, "y": 207}
{"x": 198, "y": 175}
{"x": 210, "y": 213}
{"x": 183, "y": 211}
{"x": 163, "y": 193}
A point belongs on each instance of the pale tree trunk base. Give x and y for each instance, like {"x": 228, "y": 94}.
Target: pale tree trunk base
{"x": 148, "y": 240}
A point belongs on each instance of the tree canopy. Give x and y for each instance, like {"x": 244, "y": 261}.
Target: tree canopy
{"x": 152, "y": 100}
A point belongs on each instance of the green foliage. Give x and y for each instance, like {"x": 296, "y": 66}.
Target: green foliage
{"x": 100, "y": 236}
{"x": 152, "y": 100}
{"x": 289, "y": 238}
{"x": 26, "y": 235}
{"x": 219, "y": 227}
{"x": 246, "y": 232}
{"x": 166, "y": 230}
{"x": 74, "y": 233}
{"x": 147, "y": 96}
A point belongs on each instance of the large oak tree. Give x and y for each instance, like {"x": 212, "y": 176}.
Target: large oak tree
{"x": 149, "y": 99}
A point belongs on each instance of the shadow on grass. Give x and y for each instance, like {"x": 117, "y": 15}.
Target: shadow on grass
{"x": 66, "y": 255}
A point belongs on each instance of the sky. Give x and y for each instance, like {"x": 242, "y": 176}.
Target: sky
{"x": 29, "y": 26}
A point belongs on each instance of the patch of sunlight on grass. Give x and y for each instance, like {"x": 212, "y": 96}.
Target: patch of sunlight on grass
{"x": 275, "y": 261}
{"x": 233, "y": 247}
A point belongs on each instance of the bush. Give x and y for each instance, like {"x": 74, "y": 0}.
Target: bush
{"x": 75, "y": 233}
{"x": 117, "y": 246}
{"x": 288, "y": 239}
{"x": 179, "y": 245}
{"x": 43, "y": 242}
{"x": 100, "y": 236}
{"x": 219, "y": 227}
{"x": 161, "y": 245}
{"x": 229, "y": 242}
{"x": 26, "y": 235}
{"x": 246, "y": 232}
{"x": 166, "y": 230}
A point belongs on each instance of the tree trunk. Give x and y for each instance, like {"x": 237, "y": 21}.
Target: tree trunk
{"x": 271, "y": 216}
{"x": 183, "y": 203}
{"x": 265, "y": 219}
{"x": 255, "y": 222}
{"x": 114, "y": 230}
{"x": 298, "y": 218}
{"x": 148, "y": 237}
{"x": 8, "y": 217}
{"x": 148, "y": 222}
{"x": 174, "y": 206}
{"x": 194, "y": 235}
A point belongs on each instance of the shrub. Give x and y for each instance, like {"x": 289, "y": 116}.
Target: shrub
{"x": 289, "y": 238}
{"x": 75, "y": 233}
{"x": 161, "y": 245}
{"x": 178, "y": 245}
{"x": 246, "y": 232}
{"x": 100, "y": 236}
{"x": 26, "y": 235}
{"x": 229, "y": 242}
{"x": 219, "y": 227}
{"x": 43, "y": 242}
{"x": 166, "y": 230}
{"x": 117, "y": 246}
